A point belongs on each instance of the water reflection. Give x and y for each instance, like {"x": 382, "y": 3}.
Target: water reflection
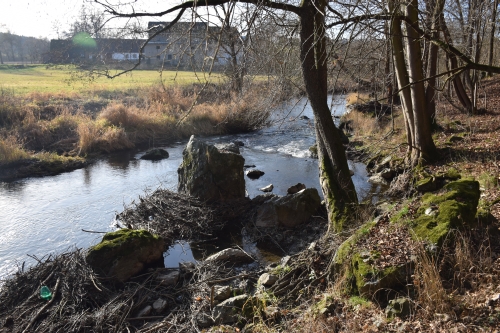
{"x": 47, "y": 215}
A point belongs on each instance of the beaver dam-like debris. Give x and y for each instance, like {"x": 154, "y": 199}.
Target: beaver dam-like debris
{"x": 85, "y": 302}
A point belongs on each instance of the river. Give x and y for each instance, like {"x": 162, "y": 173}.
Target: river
{"x": 42, "y": 216}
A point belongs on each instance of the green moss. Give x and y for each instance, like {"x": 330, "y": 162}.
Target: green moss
{"x": 346, "y": 248}
{"x": 115, "y": 239}
{"x": 452, "y": 174}
{"x": 361, "y": 301}
{"x": 453, "y": 208}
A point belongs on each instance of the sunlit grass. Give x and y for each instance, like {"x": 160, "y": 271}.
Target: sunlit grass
{"x": 41, "y": 79}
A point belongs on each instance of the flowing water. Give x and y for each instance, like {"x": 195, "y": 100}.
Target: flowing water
{"x": 42, "y": 216}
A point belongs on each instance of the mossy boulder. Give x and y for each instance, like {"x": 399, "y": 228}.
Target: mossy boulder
{"x": 124, "y": 253}
{"x": 363, "y": 276}
{"x": 399, "y": 307}
{"x": 211, "y": 174}
{"x": 454, "y": 207}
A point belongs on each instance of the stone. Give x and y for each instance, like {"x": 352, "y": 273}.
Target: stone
{"x": 230, "y": 310}
{"x": 210, "y": 174}
{"x": 351, "y": 172}
{"x": 159, "y": 305}
{"x": 230, "y": 255}
{"x": 454, "y": 207}
{"x": 239, "y": 143}
{"x": 304, "y": 117}
{"x": 288, "y": 211}
{"x": 427, "y": 184}
{"x": 169, "y": 279}
{"x": 204, "y": 320}
{"x": 387, "y": 173}
{"x": 155, "y": 154}
{"x": 221, "y": 293}
{"x": 268, "y": 188}
{"x": 124, "y": 253}
{"x": 267, "y": 280}
{"x": 296, "y": 188}
{"x": 228, "y": 147}
{"x": 146, "y": 311}
{"x": 378, "y": 179}
{"x": 313, "y": 151}
{"x": 399, "y": 307}
{"x": 254, "y": 173}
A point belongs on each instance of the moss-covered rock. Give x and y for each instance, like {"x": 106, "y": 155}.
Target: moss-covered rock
{"x": 454, "y": 207}
{"x": 399, "y": 307}
{"x": 427, "y": 184}
{"x": 124, "y": 253}
{"x": 364, "y": 278}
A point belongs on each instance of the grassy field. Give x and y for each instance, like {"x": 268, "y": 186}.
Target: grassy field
{"x": 27, "y": 79}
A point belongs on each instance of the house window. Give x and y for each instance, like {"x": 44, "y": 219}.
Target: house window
{"x": 127, "y": 55}
{"x": 169, "y": 57}
{"x": 157, "y": 47}
{"x": 135, "y": 56}
{"x": 158, "y": 57}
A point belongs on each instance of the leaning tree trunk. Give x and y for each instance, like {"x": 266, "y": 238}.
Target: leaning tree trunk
{"x": 336, "y": 183}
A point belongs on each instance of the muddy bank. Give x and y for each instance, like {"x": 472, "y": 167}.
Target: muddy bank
{"x": 39, "y": 168}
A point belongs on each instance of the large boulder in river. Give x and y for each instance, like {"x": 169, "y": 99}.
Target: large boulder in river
{"x": 211, "y": 174}
{"x": 288, "y": 211}
{"x": 124, "y": 253}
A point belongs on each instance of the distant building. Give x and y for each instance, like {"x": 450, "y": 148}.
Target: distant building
{"x": 184, "y": 45}
{"x": 106, "y": 50}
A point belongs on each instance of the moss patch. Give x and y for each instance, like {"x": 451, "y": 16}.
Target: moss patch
{"x": 123, "y": 253}
{"x": 454, "y": 207}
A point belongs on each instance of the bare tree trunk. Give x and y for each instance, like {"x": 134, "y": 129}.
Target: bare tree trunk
{"x": 492, "y": 33}
{"x": 430, "y": 91}
{"x": 335, "y": 179}
{"x": 457, "y": 82}
{"x": 401, "y": 73}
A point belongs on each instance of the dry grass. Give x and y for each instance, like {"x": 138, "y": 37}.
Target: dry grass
{"x": 11, "y": 150}
{"x": 432, "y": 296}
{"x": 357, "y": 98}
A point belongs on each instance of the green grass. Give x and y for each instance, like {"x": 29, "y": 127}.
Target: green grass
{"x": 65, "y": 79}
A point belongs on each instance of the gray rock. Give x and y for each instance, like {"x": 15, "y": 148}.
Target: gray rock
{"x": 378, "y": 179}
{"x": 399, "y": 307}
{"x": 210, "y": 174}
{"x": 254, "y": 173}
{"x": 204, "y": 320}
{"x": 351, "y": 172}
{"x": 123, "y": 253}
{"x": 288, "y": 211}
{"x": 145, "y": 311}
{"x": 230, "y": 255}
{"x": 285, "y": 260}
{"x": 268, "y": 188}
{"x": 267, "y": 279}
{"x": 222, "y": 293}
{"x": 296, "y": 188}
{"x": 159, "y": 305}
{"x": 387, "y": 173}
{"x": 169, "y": 279}
{"x": 229, "y": 147}
{"x": 155, "y": 154}
{"x": 229, "y": 311}
{"x": 239, "y": 143}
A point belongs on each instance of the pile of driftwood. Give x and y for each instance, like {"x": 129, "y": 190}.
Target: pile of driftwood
{"x": 176, "y": 216}
{"x": 84, "y": 302}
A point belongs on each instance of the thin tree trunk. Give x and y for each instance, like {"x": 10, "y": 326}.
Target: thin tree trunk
{"x": 457, "y": 82}
{"x": 335, "y": 179}
{"x": 492, "y": 33}
{"x": 401, "y": 73}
